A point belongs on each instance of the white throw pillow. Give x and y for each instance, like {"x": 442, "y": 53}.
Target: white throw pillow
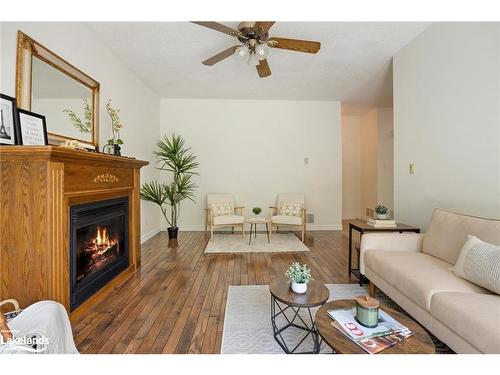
{"x": 222, "y": 209}
{"x": 479, "y": 263}
{"x": 290, "y": 209}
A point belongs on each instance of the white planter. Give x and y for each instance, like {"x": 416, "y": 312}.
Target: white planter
{"x": 382, "y": 217}
{"x": 299, "y": 287}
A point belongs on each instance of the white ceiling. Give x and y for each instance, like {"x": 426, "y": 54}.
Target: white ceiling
{"x": 353, "y": 65}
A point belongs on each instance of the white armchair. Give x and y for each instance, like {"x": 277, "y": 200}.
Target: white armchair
{"x": 221, "y": 212}
{"x": 289, "y": 211}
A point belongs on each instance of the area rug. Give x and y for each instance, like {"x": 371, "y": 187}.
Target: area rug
{"x": 247, "y": 323}
{"x": 233, "y": 243}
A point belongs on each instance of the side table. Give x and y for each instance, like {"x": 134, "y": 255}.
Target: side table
{"x": 253, "y": 226}
{"x": 283, "y": 299}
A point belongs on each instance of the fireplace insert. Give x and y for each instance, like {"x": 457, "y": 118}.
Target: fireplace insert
{"x": 98, "y": 246}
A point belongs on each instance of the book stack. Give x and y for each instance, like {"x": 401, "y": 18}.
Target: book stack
{"x": 386, "y": 223}
{"x": 388, "y": 332}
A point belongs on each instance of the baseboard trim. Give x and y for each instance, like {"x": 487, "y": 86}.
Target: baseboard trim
{"x": 351, "y": 217}
{"x": 151, "y": 234}
{"x": 324, "y": 226}
{"x": 201, "y": 228}
{"x": 186, "y": 228}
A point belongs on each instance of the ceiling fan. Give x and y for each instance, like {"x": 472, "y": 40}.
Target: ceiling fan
{"x": 254, "y": 38}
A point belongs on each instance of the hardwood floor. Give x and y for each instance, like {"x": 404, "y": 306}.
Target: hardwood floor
{"x": 175, "y": 302}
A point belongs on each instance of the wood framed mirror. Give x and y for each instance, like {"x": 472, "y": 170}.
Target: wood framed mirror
{"x": 67, "y": 97}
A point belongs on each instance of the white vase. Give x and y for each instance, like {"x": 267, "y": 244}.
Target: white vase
{"x": 299, "y": 287}
{"x": 382, "y": 216}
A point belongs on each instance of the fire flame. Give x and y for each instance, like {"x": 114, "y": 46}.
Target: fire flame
{"x": 102, "y": 241}
{"x": 102, "y": 237}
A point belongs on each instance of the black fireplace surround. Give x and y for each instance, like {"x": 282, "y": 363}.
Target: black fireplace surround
{"x": 98, "y": 246}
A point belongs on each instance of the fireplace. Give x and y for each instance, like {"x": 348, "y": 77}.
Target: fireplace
{"x": 98, "y": 246}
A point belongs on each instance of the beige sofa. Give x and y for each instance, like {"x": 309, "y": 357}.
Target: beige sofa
{"x": 415, "y": 270}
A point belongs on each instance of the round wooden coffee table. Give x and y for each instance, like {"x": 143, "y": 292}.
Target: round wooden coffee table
{"x": 419, "y": 343}
{"x": 284, "y": 300}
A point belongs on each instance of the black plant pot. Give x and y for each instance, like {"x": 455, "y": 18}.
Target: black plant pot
{"x": 172, "y": 232}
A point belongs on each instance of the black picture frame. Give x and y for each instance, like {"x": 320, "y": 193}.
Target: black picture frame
{"x": 23, "y": 116}
{"x": 9, "y": 128}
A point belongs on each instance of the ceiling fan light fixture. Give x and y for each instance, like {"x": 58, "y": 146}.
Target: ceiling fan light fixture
{"x": 242, "y": 51}
{"x": 261, "y": 51}
{"x": 254, "y": 42}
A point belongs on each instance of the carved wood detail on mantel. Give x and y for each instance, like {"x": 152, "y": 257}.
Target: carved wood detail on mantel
{"x": 105, "y": 177}
{"x": 39, "y": 183}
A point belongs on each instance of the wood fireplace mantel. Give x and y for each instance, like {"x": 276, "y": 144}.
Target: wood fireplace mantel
{"x": 38, "y": 185}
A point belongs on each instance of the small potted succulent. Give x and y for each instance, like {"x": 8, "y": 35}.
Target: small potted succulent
{"x": 381, "y": 212}
{"x": 257, "y": 211}
{"x": 299, "y": 275}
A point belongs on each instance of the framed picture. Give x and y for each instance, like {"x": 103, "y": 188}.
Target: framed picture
{"x": 8, "y": 120}
{"x": 32, "y": 128}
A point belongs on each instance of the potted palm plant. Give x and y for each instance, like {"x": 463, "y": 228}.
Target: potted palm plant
{"x": 173, "y": 156}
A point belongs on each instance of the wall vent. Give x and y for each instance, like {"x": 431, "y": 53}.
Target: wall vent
{"x": 310, "y": 218}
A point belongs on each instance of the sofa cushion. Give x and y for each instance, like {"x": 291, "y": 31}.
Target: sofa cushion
{"x": 474, "y": 317}
{"x": 228, "y": 220}
{"x": 448, "y": 231}
{"x": 286, "y": 220}
{"x": 479, "y": 262}
{"x": 417, "y": 275}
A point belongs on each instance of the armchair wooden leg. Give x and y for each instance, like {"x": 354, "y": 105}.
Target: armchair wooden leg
{"x": 372, "y": 289}
{"x": 232, "y": 229}
{"x": 303, "y": 233}
{"x": 206, "y": 221}
{"x": 270, "y": 232}
{"x": 242, "y": 230}
{"x": 211, "y": 233}
{"x": 277, "y": 228}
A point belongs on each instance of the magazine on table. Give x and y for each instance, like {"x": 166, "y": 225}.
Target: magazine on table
{"x": 347, "y": 321}
{"x": 374, "y": 345}
{"x": 388, "y": 333}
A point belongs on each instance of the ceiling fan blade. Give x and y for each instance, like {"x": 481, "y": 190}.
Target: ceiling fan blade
{"x": 219, "y": 27}
{"x": 263, "y": 69}
{"x": 294, "y": 44}
{"x": 262, "y": 27}
{"x": 220, "y": 56}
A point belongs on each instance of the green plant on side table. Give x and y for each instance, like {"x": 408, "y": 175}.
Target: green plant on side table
{"x": 173, "y": 156}
{"x": 381, "y": 212}
{"x": 299, "y": 275}
{"x": 256, "y": 211}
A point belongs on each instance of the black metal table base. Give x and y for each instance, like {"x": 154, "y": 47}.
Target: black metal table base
{"x": 255, "y": 232}
{"x": 308, "y": 326}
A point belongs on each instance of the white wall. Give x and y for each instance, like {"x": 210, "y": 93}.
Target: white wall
{"x": 369, "y": 160}
{"x": 137, "y": 103}
{"x": 351, "y": 167}
{"x": 385, "y": 158}
{"x": 446, "y": 113}
{"x": 256, "y": 149}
